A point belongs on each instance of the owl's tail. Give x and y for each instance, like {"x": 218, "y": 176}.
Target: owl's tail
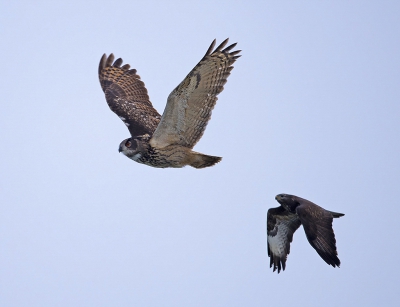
{"x": 199, "y": 160}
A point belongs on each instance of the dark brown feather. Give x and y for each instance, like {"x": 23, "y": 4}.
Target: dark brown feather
{"x": 127, "y": 96}
{"x": 317, "y": 223}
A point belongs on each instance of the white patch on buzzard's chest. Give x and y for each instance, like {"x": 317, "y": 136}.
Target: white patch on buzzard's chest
{"x": 277, "y": 243}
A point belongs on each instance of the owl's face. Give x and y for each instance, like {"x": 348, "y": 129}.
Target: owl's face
{"x": 129, "y": 148}
{"x": 134, "y": 147}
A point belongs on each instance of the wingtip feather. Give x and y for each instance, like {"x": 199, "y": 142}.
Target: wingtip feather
{"x": 210, "y": 49}
{"x": 117, "y": 62}
{"x": 102, "y": 62}
{"x": 222, "y": 45}
{"x": 229, "y": 48}
{"x": 109, "y": 60}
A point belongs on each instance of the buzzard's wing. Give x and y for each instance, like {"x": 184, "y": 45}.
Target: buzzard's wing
{"x": 127, "y": 96}
{"x": 317, "y": 223}
{"x": 190, "y": 104}
{"x": 281, "y": 226}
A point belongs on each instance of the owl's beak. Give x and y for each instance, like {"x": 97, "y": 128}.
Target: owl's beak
{"x": 119, "y": 149}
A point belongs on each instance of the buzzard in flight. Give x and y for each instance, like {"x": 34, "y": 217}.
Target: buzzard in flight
{"x": 167, "y": 140}
{"x": 283, "y": 221}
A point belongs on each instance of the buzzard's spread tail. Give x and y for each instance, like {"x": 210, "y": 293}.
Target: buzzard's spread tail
{"x": 335, "y": 214}
{"x": 199, "y": 160}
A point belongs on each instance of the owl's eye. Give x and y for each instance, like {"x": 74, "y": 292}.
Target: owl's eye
{"x": 128, "y": 144}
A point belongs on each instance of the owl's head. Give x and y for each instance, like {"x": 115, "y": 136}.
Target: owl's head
{"x": 134, "y": 147}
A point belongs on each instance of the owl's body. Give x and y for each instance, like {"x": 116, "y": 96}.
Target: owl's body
{"x": 174, "y": 156}
{"x": 167, "y": 141}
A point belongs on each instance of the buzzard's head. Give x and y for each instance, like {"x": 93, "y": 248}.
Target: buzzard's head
{"x": 133, "y": 147}
{"x": 289, "y": 202}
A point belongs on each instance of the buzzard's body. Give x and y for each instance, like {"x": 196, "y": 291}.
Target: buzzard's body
{"x": 167, "y": 140}
{"x": 283, "y": 221}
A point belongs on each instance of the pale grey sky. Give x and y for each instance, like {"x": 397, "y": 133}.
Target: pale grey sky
{"x": 311, "y": 109}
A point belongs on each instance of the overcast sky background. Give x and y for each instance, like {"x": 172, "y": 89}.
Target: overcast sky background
{"x": 311, "y": 109}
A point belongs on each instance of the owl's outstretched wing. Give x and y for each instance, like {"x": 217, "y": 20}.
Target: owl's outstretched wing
{"x": 189, "y": 105}
{"x": 281, "y": 226}
{"x": 127, "y": 97}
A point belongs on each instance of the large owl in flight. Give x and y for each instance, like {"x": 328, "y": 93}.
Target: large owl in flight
{"x": 284, "y": 220}
{"x": 167, "y": 140}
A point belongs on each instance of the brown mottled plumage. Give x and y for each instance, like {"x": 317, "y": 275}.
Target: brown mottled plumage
{"x": 167, "y": 141}
{"x": 283, "y": 221}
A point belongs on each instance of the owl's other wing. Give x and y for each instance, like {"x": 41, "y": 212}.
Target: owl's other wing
{"x": 189, "y": 105}
{"x": 127, "y": 97}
